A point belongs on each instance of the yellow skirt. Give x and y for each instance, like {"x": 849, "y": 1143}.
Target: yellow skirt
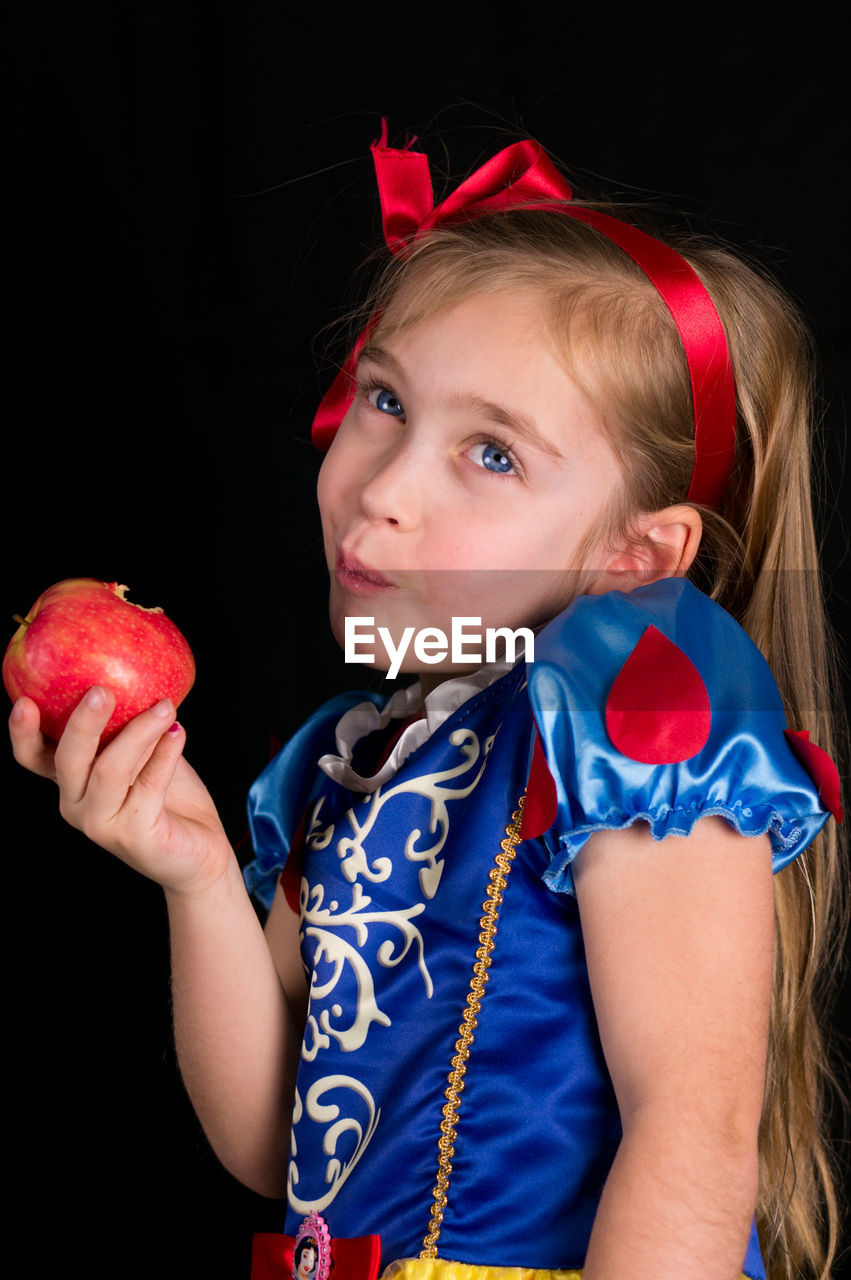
{"x": 441, "y": 1269}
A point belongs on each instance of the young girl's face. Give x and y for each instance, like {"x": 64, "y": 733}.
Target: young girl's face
{"x": 466, "y": 478}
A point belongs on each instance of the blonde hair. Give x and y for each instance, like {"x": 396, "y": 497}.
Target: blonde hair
{"x": 758, "y": 558}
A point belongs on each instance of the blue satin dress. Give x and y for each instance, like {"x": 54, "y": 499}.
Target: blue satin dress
{"x": 391, "y": 904}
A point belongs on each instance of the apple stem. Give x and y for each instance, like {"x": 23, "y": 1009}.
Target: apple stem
{"x": 16, "y": 617}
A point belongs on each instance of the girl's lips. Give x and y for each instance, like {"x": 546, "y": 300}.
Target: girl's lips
{"x": 354, "y": 576}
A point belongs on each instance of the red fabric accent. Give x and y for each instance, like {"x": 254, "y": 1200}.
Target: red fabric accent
{"x": 357, "y": 1259}
{"x": 658, "y": 710}
{"x": 290, "y": 877}
{"x": 272, "y": 1257}
{"x": 539, "y": 807}
{"x": 705, "y": 344}
{"x": 522, "y": 174}
{"x": 517, "y": 175}
{"x": 404, "y": 189}
{"x": 820, "y": 767}
{"x": 335, "y": 404}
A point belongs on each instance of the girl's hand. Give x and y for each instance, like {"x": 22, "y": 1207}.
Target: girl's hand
{"x": 137, "y": 798}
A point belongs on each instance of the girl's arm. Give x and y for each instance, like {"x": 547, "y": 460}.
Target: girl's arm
{"x": 237, "y": 1040}
{"x": 282, "y": 930}
{"x": 236, "y": 1034}
{"x": 678, "y": 936}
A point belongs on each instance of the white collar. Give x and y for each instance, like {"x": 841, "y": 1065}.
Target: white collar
{"x": 365, "y": 717}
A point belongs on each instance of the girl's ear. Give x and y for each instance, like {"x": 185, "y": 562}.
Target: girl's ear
{"x": 663, "y": 544}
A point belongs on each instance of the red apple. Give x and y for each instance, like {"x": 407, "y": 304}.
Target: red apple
{"x": 82, "y": 632}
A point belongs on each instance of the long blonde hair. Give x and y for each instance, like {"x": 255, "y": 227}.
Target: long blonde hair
{"x": 758, "y": 558}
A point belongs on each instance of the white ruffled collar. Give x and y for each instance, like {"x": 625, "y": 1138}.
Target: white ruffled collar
{"x": 365, "y": 718}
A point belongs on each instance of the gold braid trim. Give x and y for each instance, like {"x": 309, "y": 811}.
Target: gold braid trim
{"x": 448, "y": 1126}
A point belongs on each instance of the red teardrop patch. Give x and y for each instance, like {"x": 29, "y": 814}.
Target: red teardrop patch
{"x": 541, "y": 803}
{"x": 820, "y": 767}
{"x": 657, "y": 710}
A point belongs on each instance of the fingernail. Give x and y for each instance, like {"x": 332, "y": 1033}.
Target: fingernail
{"x": 162, "y": 709}
{"x": 17, "y": 711}
{"x": 96, "y": 698}
{"x": 174, "y": 728}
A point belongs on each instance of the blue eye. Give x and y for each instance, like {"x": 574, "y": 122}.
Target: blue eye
{"x": 492, "y": 457}
{"x": 385, "y": 401}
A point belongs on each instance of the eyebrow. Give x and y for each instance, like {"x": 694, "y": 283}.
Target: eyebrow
{"x": 519, "y": 423}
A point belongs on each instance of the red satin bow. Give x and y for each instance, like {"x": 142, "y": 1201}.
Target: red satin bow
{"x": 355, "y": 1259}
{"x": 522, "y": 174}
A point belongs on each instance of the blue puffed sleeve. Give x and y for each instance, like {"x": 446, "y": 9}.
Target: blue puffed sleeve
{"x": 279, "y": 797}
{"x": 744, "y": 770}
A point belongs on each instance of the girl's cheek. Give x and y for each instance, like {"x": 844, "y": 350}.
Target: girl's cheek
{"x": 328, "y": 484}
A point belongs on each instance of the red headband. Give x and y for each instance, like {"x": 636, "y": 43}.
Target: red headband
{"x": 522, "y": 175}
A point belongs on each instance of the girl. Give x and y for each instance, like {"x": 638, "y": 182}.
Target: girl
{"x": 549, "y": 1021}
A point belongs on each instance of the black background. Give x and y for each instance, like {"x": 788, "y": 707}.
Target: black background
{"x": 189, "y": 190}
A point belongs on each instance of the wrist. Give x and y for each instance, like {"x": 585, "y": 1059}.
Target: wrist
{"x": 217, "y": 879}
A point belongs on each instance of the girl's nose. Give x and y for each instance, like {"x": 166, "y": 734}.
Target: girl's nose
{"x": 396, "y": 489}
